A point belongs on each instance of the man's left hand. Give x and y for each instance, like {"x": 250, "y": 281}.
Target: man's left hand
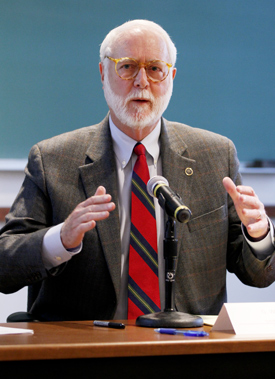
{"x": 249, "y": 208}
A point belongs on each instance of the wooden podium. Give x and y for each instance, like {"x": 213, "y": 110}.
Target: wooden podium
{"x": 81, "y": 350}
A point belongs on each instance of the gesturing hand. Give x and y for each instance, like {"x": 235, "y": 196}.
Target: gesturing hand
{"x": 249, "y": 208}
{"x": 84, "y": 217}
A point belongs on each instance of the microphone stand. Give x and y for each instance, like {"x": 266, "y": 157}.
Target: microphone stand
{"x": 170, "y": 317}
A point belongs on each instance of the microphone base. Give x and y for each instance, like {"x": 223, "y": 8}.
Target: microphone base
{"x": 169, "y": 319}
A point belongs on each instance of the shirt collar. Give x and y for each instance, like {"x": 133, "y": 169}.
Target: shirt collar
{"x": 123, "y": 144}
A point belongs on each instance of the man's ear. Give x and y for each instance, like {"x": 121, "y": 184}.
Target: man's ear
{"x": 174, "y": 72}
{"x": 101, "y": 70}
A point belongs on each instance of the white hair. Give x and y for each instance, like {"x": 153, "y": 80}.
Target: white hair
{"x": 136, "y": 25}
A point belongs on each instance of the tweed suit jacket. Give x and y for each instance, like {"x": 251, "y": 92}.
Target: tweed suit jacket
{"x": 65, "y": 170}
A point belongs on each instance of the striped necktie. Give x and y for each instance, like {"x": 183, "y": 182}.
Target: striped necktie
{"x": 143, "y": 284}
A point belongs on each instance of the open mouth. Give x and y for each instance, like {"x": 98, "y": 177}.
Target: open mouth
{"x": 140, "y": 101}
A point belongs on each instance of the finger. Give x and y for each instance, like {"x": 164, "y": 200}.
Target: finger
{"x": 96, "y": 207}
{"x": 242, "y": 195}
{"x": 89, "y": 216}
{"x": 231, "y": 188}
{"x": 258, "y": 229}
{"x": 96, "y": 199}
{"x": 100, "y": 196}
{"x": 100, "y": 191}
{"x": 80, "y": 229}
{"x": 251, "y": 202}
{"x": 255, "y": 214}
{"x": 246, "y": 190}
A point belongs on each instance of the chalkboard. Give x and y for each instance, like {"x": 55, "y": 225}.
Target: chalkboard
{"x": 49, "y": 78}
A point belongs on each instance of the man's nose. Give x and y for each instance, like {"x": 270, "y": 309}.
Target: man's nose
{"x": 141, "y": 80}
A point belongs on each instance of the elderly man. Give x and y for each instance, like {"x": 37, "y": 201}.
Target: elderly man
{"x": 76, "y": 235}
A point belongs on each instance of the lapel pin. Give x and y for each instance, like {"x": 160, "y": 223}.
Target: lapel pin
{"x": 188, "y": 171}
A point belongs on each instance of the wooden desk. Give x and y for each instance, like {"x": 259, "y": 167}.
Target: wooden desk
{"x": 66, "y": 349}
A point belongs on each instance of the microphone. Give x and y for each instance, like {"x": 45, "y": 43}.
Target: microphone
{"x": 171, "y": 202}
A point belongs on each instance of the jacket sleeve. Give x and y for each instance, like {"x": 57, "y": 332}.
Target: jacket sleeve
{"x": 26, "y": 224}
{"x": 240, "y": 258}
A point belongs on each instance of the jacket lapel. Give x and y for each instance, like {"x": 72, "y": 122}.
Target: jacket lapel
{"x": 100, "y": 169}
{"x": 177, "y": 167}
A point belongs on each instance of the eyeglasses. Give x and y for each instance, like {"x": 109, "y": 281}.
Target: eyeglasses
{"x": 128, "y": 68}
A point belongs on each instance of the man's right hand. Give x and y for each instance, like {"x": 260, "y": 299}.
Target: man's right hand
{"x": 84, "y": 217}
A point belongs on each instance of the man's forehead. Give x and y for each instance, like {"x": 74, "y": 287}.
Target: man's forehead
{"x": 145, "y": 44}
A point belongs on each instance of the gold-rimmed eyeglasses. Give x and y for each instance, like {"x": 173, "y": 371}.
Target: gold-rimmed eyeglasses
{"x": 128, "y": 68}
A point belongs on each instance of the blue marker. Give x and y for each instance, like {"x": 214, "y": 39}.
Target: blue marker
{"x": 187, "y": 333}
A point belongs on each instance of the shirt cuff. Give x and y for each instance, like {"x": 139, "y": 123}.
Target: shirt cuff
{"x": 53, "y": 251}
{"x": 264, "y": 248}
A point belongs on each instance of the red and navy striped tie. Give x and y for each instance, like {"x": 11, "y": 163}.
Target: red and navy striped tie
{"x": 143, "y": 284}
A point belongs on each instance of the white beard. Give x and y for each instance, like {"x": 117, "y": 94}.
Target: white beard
{"x": 137, "y": 119}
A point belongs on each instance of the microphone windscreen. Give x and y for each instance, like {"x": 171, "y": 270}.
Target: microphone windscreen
{"x": 153, "y": 182}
